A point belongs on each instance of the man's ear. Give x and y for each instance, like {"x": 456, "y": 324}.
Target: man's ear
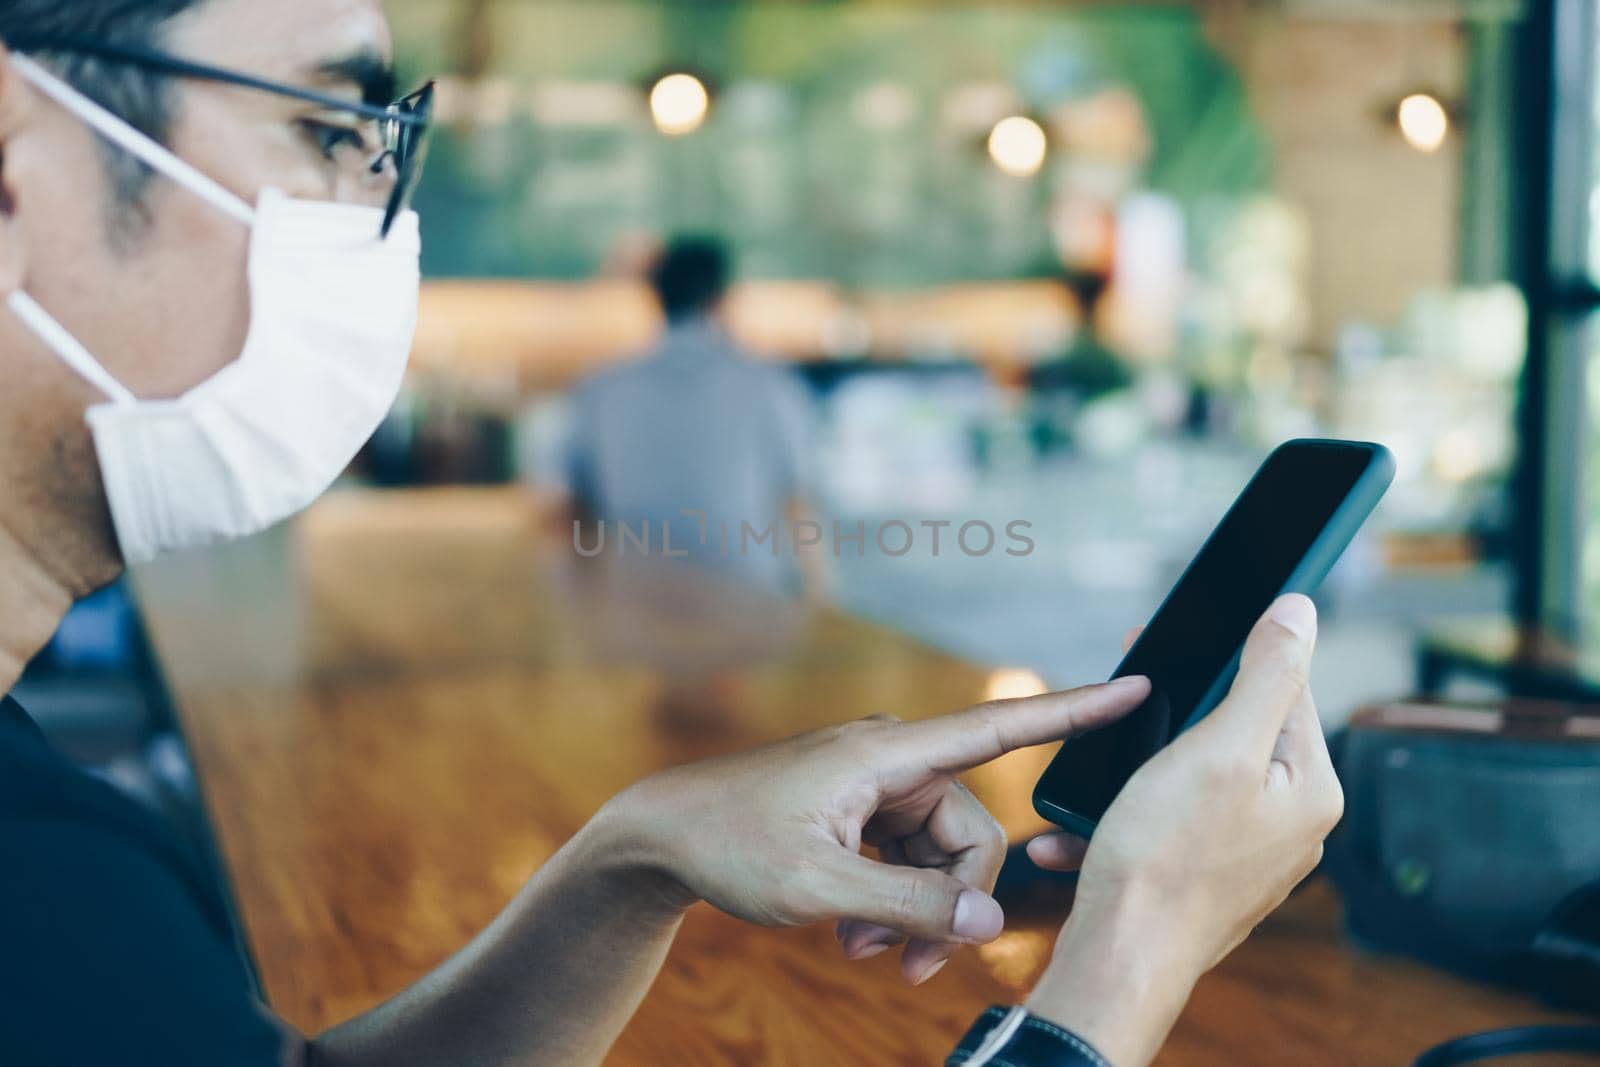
{"x": 16, "y": 98}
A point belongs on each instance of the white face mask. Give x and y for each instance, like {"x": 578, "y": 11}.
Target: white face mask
{"x": 332, "y": 313}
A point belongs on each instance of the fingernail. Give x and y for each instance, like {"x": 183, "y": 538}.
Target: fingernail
{"x": 866, "y": 951}
{"x": 1295, "y": 613}
{"x": 978, "y": 917}
{"x": 1125, "y": 684}
{"x": 930, "y": 972}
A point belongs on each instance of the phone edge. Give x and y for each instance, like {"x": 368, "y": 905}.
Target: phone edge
{"x": 1319, "y": 560}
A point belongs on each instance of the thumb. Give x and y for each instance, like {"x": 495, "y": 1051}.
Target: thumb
{"x": 915, "y": 901}
{"x": 1273, "y": 675}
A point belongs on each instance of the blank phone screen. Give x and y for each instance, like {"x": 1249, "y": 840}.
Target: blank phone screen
{"x": 1196, "y": 635}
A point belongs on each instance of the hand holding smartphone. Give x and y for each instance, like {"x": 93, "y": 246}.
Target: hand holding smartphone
{"x": 1282, "y": 535}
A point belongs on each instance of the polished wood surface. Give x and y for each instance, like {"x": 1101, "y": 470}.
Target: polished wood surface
{"x": 403, "y": 704}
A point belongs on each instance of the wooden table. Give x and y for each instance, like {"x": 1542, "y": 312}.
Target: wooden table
{"x": 403, "y": 704}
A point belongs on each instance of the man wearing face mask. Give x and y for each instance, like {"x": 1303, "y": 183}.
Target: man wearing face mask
{"x": 210, "y": 279}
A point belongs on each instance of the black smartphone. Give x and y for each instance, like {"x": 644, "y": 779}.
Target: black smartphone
{"x": 1282, "y": 535}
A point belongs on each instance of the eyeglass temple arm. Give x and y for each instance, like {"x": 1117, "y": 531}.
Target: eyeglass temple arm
{"x": 170, "y": 64}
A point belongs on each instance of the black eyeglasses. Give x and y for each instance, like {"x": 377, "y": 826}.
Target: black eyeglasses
{"x": 403, "y": 126}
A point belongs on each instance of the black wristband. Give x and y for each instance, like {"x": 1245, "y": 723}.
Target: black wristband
{"x": 1028, "y": 1042}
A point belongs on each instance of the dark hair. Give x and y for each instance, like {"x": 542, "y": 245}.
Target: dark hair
{"x": 137, "y": 96}
{"x": 1088, "y": 286}
{"x": 690, "y": 276}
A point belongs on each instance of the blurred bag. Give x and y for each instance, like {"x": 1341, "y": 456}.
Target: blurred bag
{"x": 1471, "y": 840}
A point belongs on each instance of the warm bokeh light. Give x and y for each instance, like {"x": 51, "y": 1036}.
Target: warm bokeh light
{"x": 1015, "y": 958}
{"x": 1017, "y": 145}
{"x": 679, "y": 103}
{"x": 1460, "y": 455}
{"x": 1423, "y": 121}
{"x": 1010, "y": 683}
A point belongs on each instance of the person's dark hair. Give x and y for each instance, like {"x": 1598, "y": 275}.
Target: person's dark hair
{"x": 137, "y": 96}
{"x": 690, "y": 276}
{"x": 1088, "y": 287}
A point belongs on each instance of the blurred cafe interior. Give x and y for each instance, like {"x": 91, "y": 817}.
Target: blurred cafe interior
{"x": 1075, "y": 265}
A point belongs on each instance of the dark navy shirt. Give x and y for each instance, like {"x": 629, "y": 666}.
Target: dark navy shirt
{"x": 115, "y": 948}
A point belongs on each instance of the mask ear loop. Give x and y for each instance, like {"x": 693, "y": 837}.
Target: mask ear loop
{"x": 73, "y": 354}
{"x": 125, "y": 136}
{"x": 36, "y": 318}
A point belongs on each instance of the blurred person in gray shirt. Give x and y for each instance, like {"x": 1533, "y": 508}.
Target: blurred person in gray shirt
{"x": 696, "y": 450}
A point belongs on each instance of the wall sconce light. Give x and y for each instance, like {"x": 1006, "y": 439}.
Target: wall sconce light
{"x": 679, "y": 103}
{"x": 1018, "y": 146}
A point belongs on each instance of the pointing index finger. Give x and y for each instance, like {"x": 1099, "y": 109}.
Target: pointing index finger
{"x": 957, "y": 742}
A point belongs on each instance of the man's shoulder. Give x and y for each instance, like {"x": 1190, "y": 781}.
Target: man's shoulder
{"x": 15, "y": 721}
{"x": 41, "y": 786}
{"x": 97, "y": 926}
{"x": 760, "y": 370}
{"x": 623, "y": 373}
{"x": 725, "y": 367}
{"x": 788, "y": 388}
